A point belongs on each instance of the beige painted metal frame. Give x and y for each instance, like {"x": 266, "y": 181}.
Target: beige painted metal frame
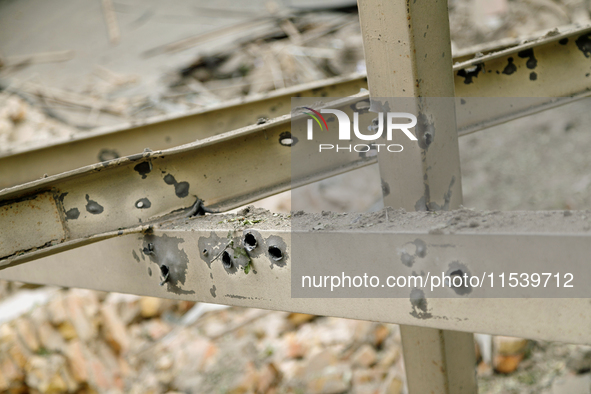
{"x": 113, "y": 208}
{"x": 408, "y": 54}
{"x": 486, "y": 78}
{"x": 102, "y": 200}
{"x": 120, "y": 264}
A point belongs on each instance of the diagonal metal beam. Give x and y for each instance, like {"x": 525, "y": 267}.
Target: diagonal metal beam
{"x": 224, "y": 171}
{"x": 557, "y": 54}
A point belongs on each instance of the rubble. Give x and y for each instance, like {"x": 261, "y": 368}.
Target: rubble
{"x": 87, "y": 341}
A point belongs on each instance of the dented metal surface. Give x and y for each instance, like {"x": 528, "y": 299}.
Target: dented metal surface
{"x": 189, "y": 247}
{"x": 492, "y": 75}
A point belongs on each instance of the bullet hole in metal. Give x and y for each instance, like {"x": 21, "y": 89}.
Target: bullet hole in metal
{"x": 286, "y": 139}
{"x": 531, "y": 62}
{"x": 584, "y": 44}
{"x": 205, "y": 252}
{"x": 470, "y": 73}
{"x": 459, "y": 286}
{"x": 227, "y": 260}
{"x": 143, "y": 203}
{"x": 510, "y": 68}
{"x": 250, "y": 242}
{"x": 149, "y": 250}
{"x": 420, "y": 308}
{"x": 143, "y": 168}
{"x": 165, "y": 274}
{"x": 275, "y": 253}
{"x": 564, "y": 41}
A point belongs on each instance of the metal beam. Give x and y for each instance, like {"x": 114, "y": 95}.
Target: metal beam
{"x": 121, "y": 264}
{"x": 163, "y": 132}
{"x": 224, "y": 171}
{"x": 475, "y": 77}
{"x": 408, "y": 54}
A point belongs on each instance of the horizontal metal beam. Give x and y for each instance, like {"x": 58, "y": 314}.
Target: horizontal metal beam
{"x": 561, "y": 72}
{"x": 191, "y": 248}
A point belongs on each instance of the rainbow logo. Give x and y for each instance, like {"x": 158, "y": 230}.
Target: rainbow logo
{"x": 317, "y": 115}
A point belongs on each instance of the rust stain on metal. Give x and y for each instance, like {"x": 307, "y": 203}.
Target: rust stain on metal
{"x": 30, "y": 223}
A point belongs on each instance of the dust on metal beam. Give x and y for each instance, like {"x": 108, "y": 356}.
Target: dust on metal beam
{"x": 189, "y": 248}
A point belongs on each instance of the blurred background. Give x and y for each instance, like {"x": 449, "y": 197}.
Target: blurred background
{"x": 70, "y": 66}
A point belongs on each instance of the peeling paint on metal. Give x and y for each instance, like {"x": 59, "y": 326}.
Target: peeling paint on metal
{"x": 470, "y": 73}
{"x": 510, "y": 68}
{"x": 407, "y": 259}
{"x": 167, "y": 252}
{"x": 93, "y": 207}
{"x": 143, "y": 168}
{"x": 181, "y": 189}
{"x": 433, "y": 206}
{"x": 584, "y": 44}
{"x": 419, "y": 305}
{"x": 72, "y": 214}
{"x": 531, "y": 62}
{"x": 425, "y": 131}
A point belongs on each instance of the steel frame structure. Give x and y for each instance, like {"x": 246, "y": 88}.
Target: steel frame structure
{"x": 127, "y": 224}
{"x": 475, "y": 77}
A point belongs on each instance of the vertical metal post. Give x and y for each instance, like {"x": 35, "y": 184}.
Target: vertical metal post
{"x": 408, "y": 54}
